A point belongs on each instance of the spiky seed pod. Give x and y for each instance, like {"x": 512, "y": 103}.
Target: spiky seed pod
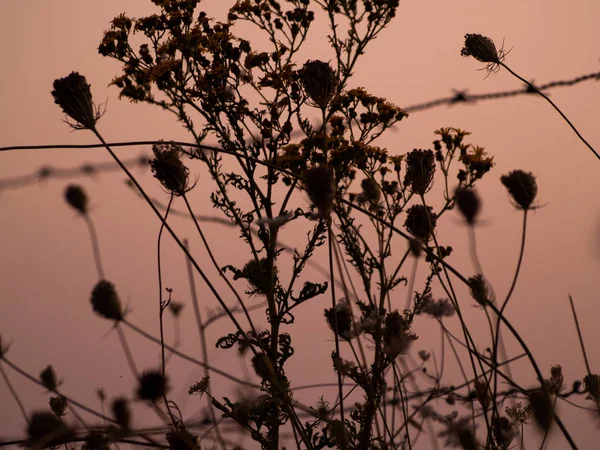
{"x": 121, "y": 412}
{"x": 105, "y": 301}
{"x": 481, "y": 48}
{"x": 48, "y": 378}
{"x": 182, "y": 440}
{"x": 420, "y": 221}
{"x": 319, "y": 82}
{"x": 72, "y": 93}
{"x": 76, "y": 198}
{"x": 468, "y": 204}
{"x": 58, "y": 405}
{"x": 420, "y": 168}
{"x": 479, "y": 289}
{"x": 168, "y": 168}
{"x": 152, "y": 386}
{"x": 396, "y": 335}
{"x": 263, "y": 366}
{"x": 319, "y": 183}
{"x": 45, "y": 429}
{"x": 339, "y": 319}
{"x": 522, "y": 188}
{"x": 542, "y": 408}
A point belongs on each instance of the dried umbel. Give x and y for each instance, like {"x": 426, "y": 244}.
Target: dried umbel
{"x": 591, "y": 383}
{"x": 45, "y": 429}
{"x": 168, "y": 168}
{"x": 76, "y": 198}
{"x": 420, "y": 168}
{"x": 182, "y": 440}
{"x": 121, "y": 412}
{"x": 48, "y": 378}
{"x": 319, "y": 82}
{"x": 481, "y": 48}
{"x": 420, "y": 221}
{"x": 257, "y": 273}
{"x": 319, "y": 183}
{"x": 556, "y": 383}
{"x": 72, "y": 93}
{"x": 479, "y": 289}
{"x": 152, "y": 386}
{"x": 105, "y": 301}
{"x": 522, "y": 188}
{"x": 468, "y": 204}
{"x": 396, "y": 335}
{"x": 339, "y": 319}
{"x": 437, "y": 309}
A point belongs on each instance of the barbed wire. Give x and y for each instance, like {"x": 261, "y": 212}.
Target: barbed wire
{"x": 91, "y": 169}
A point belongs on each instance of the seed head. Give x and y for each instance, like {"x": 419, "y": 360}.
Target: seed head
{"x": 504, "y": 431}
{"x": 591, "y": 383}
{"x": 468, "y": 204}
{"x": 48, "y": 378}
{"x": 339, "y": 319}
{"x": 481, "y": 48}
{"x": 420, "y": 168}
{"x": 76, "y": 198}
{"x": 58, "y": 405}
{"x": 168, "y": 168}
{"x": 479, "y": 289}
{"x": 396, "y": 335}
{"x": 152, "y": 386}
{"x": 182, "y": 440}
{"x": 45, "y": 429}
{"x": 263, "y": 366}
{"x": 420, "y": 221}
{"x": 522, "y": 188}
{"x": 541, "y": 408}
{"x": 105, "y": 301}
{"x": 257, "y": 274}
{"x": 72, "y": 93}
{"x": 121, "y": 412}
{"x": 319, "y": 82}
{"x": 320, "y": 186}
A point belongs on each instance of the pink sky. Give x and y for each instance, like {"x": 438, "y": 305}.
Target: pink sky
{"x": 46, "y": 267}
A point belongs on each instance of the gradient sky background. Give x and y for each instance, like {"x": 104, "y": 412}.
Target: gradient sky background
{"x": 46, "y": 267}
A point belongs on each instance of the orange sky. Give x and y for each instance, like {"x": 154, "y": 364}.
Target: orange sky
{"x": 46, "y": 268}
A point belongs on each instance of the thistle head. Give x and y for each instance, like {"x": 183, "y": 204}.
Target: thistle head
{"x": 72, "y": 93}
{"x": 105, "y": 301}
{"x": 319, "y": 82}
{"x": 522, "y": 188}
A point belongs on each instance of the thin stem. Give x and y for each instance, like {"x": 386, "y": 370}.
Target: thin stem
{"x": 95, "y": 246}
{"x": 531, "y": 86}
{"x": 13, "y": 392}
{"x": 127, "y": 351}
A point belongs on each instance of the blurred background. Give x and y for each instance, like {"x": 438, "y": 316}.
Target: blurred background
{"x": 46, "y": 266}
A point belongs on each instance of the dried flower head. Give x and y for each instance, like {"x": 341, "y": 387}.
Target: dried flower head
{"x": 397, "y": 335}
{"x": 504, "y": 431}
{"x": 320, "y": 185}
{"x": 48, "y": 378}
{"x": 339, "y": 319}
{"x": 435, "y": 308}
{"x": 76, "y": 198}
{"x": 556, "y": 383}
{"x": 182, "y": 440}
{"x": 168, "y": 168}
{"x": 105, "y": 301}
{"x": 200, "y": 387}
{"x": 479, "y": 289}
{"x": 591, "y": 383}
{"x": 420, "y": 221}
{"x": 257, "y": 274}
{"x": 468, "y": 203}
{"x": 371, "y": 192}
{"x": 45, "y": 429}
{"x": 522, "y": 188}
{"x": 482, "y": 48}
{"x": 152, "y": 386}
{"x": 121, "y": 412}
{"x": 319, "y": 82}
{"x": 420, "y": 168}
{"x": 58, "y": 405}
{"x": 72, "y": 93}
{"x": 542, "y": 408}
{"x": 482, "y": 392}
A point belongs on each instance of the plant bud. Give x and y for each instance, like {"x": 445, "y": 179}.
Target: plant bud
{"x": 105, "y": 301}
{"x": 76, "y": 198}
{"x": 72, "y": 93}
{"x": 522, "y": 188}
